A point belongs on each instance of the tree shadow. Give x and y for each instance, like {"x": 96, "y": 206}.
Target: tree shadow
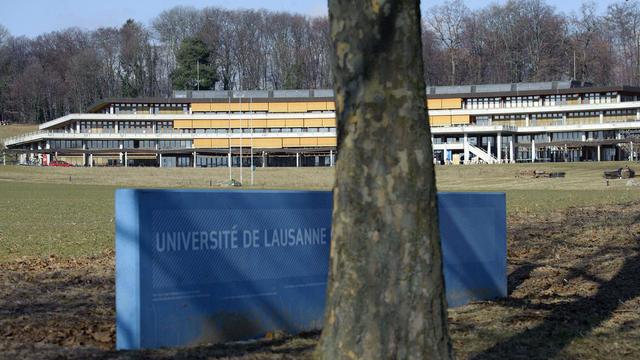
{"x": 577, "y": 318}
{"x": 570, "y": 318}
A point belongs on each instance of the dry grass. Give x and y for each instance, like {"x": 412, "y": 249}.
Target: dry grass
{"x": 579, "y": 176}
{"x": 271, "y": 178}
{"x": 573, "y": 255}
{"x": 573, "y": 294}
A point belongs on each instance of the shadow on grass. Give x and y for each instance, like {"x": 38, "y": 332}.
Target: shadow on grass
{"x": 571, "y": 318}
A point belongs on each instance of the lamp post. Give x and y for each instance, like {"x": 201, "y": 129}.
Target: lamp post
{"x": 251, "y": 127}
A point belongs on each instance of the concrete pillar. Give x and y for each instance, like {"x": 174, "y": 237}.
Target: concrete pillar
{"x": 84, "y": 155}
{"x": 297, "y": 159}
{"x": 90, "y": 160}
{"x": 499, "y": 147}
{"x": 48, "y": 155}
{"x": 598, "y": 153}
{"x": 489, "y": 148}
{"x": 160, "y": 159}
{"x": 264, "y": 159}
{"x": 116, "y": 127}
{"x": 533, "y": 150}
{"x": 601, "y": 117}
{"x": 511, "y": 159}
{"x": 564, "y": 118}
{"x": 77, "y": 126}
{"x": 465, "y": 146}
{"x": 155, "y": 127}
{"x": 331, "y": 158}
{"x": 526, "y": 120}
{"x": 195, "y": 157}
{"x": 126, "y": 159}
{"x": 229, "y": 159}
{"x": 631, "y": 150}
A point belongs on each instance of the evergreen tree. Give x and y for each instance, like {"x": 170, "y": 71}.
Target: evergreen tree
{"x": 193, "y": 65}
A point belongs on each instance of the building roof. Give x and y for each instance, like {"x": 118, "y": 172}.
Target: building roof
{"x": 433, "y": 92}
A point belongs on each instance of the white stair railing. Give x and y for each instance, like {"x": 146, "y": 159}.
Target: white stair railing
{"x": 483, "y": 155}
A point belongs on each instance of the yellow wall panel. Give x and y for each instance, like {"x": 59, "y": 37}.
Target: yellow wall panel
{"x": 220, "y": 124}
{"x": 440, "y": 120}
{"x": 219, "y": 143}
{"x": 239, "y": 142}
{"x": 297, "y": 107}
{"x": 460, "y": 119}
{"x": 308, "y": 141}
{"x": 275, "y": 143}
{"x": 290, "y": 142}
{"x": 202, "y": 143}
{"x": 220, "y": 107}
{"x": 195, "y": 107}
{"x": 237, "y": 123}
{"x": 182, "y": 124}
{"x": 329, "y": 122}
{"x": 244, "y": 106}
{"x": 317, "y": 106}
{"x": 454, "y": 103}
{"x": 327, "y": 141}
{"x": 259, "y": 123}
{"x": 201, "y": 124}
{"x": 260, "y": 107}
{"x": 313, "y": 122}
{"x": 294, "y": 123}
{"x": 278, "y": 107}
{"x": 434, "y": 104}
{"x": 331, "y": 106}
{"x": 275, "y": 122}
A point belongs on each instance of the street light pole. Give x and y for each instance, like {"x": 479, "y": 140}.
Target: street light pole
{"x": 251, "y": 126}
{"x": 241, "y": 137}
{"x": 229, "y": 140}
{"x": 198, "y": 74}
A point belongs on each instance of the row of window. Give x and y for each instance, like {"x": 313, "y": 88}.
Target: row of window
{"x": 147, "y": 109}
{"x": 547, "y": 100}
{"x": 117, "y": 144}
{"x": 264, "y": 130}
{"x": 524, "y": 139}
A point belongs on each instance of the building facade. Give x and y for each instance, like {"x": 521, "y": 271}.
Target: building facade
{"x": 526, "y": 122}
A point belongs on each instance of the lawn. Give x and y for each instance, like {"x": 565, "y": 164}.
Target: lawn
{"x": 69, "y": 211}
{"x": 573, "y": 262}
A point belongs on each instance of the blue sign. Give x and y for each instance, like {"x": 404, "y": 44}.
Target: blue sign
{"x": 195, "y": 266}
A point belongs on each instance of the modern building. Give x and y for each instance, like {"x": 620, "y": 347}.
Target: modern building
{"x": 525, "y": 122}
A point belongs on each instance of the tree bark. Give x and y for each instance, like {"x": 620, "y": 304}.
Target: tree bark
{"x": 386, "y": 290}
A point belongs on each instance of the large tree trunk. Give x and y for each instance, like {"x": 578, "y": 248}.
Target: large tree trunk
{"x": 386, "y": 290}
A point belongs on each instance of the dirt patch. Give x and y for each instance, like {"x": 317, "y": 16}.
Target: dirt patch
{"x": 574, "y": 291}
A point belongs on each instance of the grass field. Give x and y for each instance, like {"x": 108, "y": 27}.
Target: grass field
{"x": 69, "y": 211}
{"x": 573, "y": 262}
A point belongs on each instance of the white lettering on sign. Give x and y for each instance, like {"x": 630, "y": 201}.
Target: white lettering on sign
{"x": 170, "y": 241}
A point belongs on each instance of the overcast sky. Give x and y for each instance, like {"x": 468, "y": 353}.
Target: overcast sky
{"x": 34, "y": 17}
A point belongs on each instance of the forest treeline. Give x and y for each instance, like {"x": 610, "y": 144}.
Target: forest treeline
{"x": 66, "y": 71}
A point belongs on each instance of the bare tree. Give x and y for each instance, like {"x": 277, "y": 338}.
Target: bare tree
{"x": 623, "y": 20}
{"x": 385, "y": 293}
{"x": 590, "y": 45}
{"x": 170, "y": 28}
{"x": 447, "y": 21}
{"x": 4, "y": 35}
